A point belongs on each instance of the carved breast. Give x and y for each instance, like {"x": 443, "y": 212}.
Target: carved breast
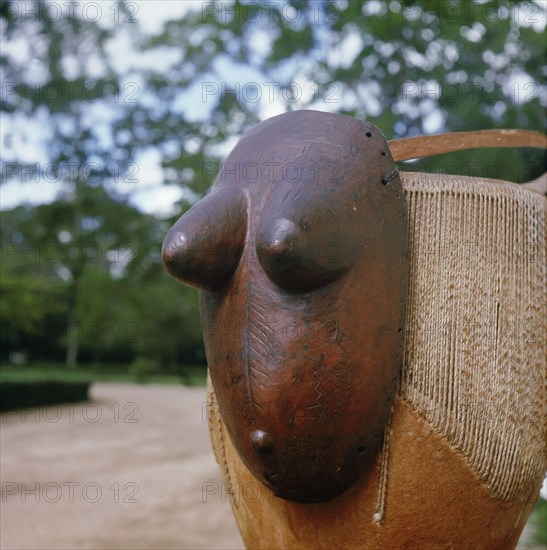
{"x": 299, "y": 252}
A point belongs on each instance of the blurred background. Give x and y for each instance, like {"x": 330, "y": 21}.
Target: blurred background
{"x": 115, "y": 117}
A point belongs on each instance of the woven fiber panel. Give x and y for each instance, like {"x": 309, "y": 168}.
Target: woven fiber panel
{"x": 476, "y": 328}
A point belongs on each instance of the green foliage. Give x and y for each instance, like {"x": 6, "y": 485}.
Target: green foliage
{"x": 19, "y": 395}
{"x": 26, "y": 303}
{"x": 141, "y": 367}
{"x": 538, "y": 520}
{"x": 109, "y": 284}
{"x": 189, "y": 375}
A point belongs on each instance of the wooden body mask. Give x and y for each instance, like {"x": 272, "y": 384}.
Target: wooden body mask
{"x": 299, "y": 252}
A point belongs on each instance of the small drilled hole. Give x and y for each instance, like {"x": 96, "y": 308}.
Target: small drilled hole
{"x": 383, "y": 153}
{"x": 368, "y": 134}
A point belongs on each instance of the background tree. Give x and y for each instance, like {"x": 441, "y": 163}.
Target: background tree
{"x": 87, "y": 95}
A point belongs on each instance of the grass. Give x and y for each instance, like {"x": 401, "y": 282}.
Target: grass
{"x": 194, "y": 375}
{"x": 538, "y": 522}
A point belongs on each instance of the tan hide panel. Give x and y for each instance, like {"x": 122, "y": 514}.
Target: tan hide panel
{"x": 434, "y": 501}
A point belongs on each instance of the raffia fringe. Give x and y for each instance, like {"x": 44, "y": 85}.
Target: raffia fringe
{"x": 476, "y": 327}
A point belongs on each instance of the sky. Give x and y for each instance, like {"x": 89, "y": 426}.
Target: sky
{"x": 148, "y": 192}
{"x": 30, "y": 141}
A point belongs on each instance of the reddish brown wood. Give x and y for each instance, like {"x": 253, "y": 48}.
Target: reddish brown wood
{"x": 300, "y": 252}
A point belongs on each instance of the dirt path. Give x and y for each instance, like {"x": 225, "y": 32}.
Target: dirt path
{"x": 132, "y": 470}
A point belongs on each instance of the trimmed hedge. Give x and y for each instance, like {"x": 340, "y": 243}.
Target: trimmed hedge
{"x": 20, "y": 395}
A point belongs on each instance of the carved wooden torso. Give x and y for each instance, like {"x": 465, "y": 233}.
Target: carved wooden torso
{"x": 299, "y": 250}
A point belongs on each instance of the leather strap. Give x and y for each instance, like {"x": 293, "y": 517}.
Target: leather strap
{"x": 427, "y": 146}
